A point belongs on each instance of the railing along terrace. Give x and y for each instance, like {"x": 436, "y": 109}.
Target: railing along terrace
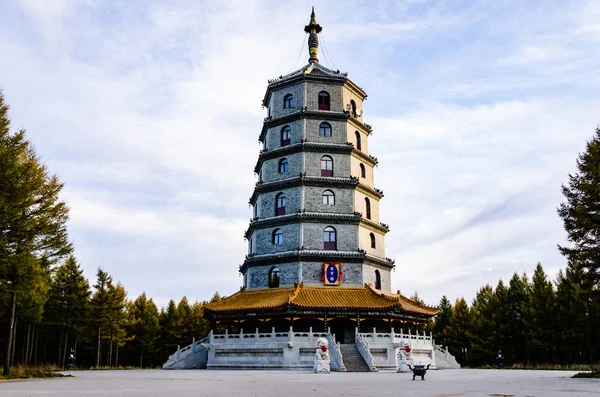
{"x": 393, "y": 337}
{"x": 281, "y": 336}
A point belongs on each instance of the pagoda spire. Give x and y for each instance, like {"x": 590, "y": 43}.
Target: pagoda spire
{"x": 313, "y": 28}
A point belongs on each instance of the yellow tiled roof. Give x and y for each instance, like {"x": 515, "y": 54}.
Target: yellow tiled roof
{"x": 336, "y": 298}
{"x": 260, "y": 299}
{"x": 313, "y": 297}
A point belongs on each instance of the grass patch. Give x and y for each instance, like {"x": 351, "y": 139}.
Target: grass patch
{"x": 593, "y": 373}
{"x": 20, "y": 371}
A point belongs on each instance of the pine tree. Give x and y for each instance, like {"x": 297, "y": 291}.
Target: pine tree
{"x": 484, "y": 343}
{"x": 117, "y": 320}
{"x": 458, "y": 331}
{"x": 68, "y": 303}
{"x": 571, "y": 323}
{"x": 216, "y": 297}
{"x": 169, "y": 329}
{"x": 542, "y": 315}
{"x": 442, "y": 319}
{"x": 144, "y": 328}
{"x": 32, "y": 219}
{"x": 200, "y": 326}
{"x": 502, "y": 333}
{"x": 184, "y": 321}
{"x": 101, "y": 309}
{"x": 517, "y": 300}
{"x": 581, "y": 216}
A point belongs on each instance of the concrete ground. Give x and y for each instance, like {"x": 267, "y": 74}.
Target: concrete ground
{"x": 447, "y": 383}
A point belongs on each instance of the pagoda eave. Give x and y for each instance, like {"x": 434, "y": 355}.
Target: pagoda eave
{"x": 304, "y": 113}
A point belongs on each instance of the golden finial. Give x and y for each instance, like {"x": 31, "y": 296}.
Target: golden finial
{"x": 313, "y": 28}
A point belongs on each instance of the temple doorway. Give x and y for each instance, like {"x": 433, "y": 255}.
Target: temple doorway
{"x": 343, "y": 329}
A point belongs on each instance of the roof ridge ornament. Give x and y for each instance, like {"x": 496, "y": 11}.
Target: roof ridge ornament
{"x": 313, "y": 28}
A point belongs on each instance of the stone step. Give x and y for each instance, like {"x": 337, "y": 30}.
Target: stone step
{"x": 353, "y": 360}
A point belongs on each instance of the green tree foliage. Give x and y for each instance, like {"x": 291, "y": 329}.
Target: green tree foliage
{"x": 542, "y": 316}
{"x": 517, "y": 300}
{"x": 101, "y": 308}
{"x": 68, "y": 303}
{"x": 458, "y": 331}
{"x": 32, "y": 221}
{"x": 570, "y": 321}
{"x": 483, "y": 309}
{"x": 118, "y": 321}
{"x": 144, "y": 327}
{"x": 580, "y": 214}
{"x": 442, "y": 320}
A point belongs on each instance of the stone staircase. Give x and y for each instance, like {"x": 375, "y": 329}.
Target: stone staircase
{"x": 445, "y": 360}
{"x": 353, "y": 360}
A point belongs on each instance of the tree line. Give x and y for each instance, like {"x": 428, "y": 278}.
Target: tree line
{"x": 531, "y": 321}
{"x": 539, "y": 321}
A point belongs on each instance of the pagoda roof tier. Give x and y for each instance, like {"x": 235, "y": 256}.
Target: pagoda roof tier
{"x": 302, "y": 297}
{"x": 353, "y": 218}
{"x": 304, "y": 180}
{"x": 358, "y": 256}
{"x": 348, "y": 147}
{"x": 304, "y": 113}
{"x": 312, "y": 71}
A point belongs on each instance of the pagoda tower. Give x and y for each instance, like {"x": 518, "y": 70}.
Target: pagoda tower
{"x": 316, "y": 244}
{"x": 315, "y": 200}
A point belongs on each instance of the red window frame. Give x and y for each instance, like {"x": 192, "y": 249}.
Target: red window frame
{"x": 330, "y": 239}
{"x": 280, "y": 204}
{"x": 326, "y": 166}
{"x": 286, "y": 136}
{"x": 324, "y": 101}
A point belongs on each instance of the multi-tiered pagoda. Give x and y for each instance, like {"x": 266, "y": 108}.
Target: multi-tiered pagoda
{"x": 316, "y": 250}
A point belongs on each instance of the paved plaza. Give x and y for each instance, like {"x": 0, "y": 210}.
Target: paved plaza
{"x": 445, "y": 383}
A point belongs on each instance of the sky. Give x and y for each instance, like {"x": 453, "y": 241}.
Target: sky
{"x": 149, "y": 112}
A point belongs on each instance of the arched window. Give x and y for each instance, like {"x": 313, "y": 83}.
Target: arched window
{"x": 328, "y": 197}
{"x": 280, "y": 204}
{"x": 274, "y": 276}
{"x": 326, "y": 166}
{"x": 325, "y": 129}
{"x": 255, "y": 208}
{"x": 323, "y": 100}
{"x": 363, "y": 172}
{"x": 283, "y": 166}
{"x": 358, "y": 145}
{"x": 277, "y": 237}
{"x": 353, "y": 107}
{"x": 367, "y": 208}
{"x": 288, "y": 101}
{"x": 377, "y": 279}
{"x": 329, "y": 239}
{"x": 372, "y": 240}
{"x": 286, "y": 135}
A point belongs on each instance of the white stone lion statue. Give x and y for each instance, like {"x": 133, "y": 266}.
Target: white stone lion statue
{"x": 322, "y": 362}
{"x": 404, "y": 356}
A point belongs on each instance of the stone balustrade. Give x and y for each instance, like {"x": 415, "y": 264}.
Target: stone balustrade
{"x": 384, "y": 348}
